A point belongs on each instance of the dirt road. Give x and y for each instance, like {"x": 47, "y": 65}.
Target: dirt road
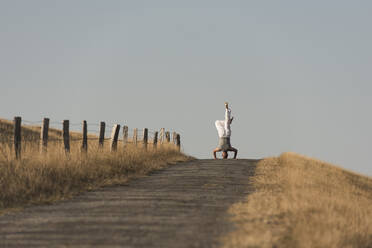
{"x": 182, "y": 206}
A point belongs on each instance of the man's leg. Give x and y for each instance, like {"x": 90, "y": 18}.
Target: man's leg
{"x": 215, "y": 151}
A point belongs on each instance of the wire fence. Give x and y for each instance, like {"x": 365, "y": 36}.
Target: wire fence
{"x": 21, "y": 131}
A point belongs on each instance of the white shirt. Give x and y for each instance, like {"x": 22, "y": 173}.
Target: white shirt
{"x": 223, "y": 127}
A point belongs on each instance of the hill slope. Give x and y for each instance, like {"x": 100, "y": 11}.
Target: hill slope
{"x": 29, "y": 133}
{"x": 303, "y": 202}
{"x": 54, "y": 175}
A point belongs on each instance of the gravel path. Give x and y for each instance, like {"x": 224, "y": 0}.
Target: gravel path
{"x": 181, "y": 206}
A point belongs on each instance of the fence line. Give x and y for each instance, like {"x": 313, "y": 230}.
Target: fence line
{"x": 138, "y": 135}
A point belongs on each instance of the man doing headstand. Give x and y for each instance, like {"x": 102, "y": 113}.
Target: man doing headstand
{"x": 224, "y": 133}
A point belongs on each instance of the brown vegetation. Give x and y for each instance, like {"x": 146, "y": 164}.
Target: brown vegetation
{"x": 52, "y": 176}
{"x": 303, "y": 202}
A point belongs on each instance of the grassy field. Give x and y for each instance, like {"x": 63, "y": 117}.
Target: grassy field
{"x": 303, "y": 202}
{"x": 38, "y": 178}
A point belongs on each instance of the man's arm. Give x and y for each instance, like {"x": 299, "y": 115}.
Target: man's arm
{"x": 232, "y": 149}
{"x": 215, "y": 151}
{"x": 235, "y": 153}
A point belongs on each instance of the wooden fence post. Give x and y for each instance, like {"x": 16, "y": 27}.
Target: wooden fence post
{"x": 102, "y": 129}
{"x": 114, "y": 137}
{"x": 135, "y": 136}
{"x": 44, "y": 133}
{"x": 66, "y": 135}
{"x": 178, "y": 139}
{"x": 167, "y": 136}
{"x": 155, "y": 141}
{"x": 174, "y": 138}
{"x": 145, "y": 137}
{"x": 125, "y": 135}
{"x": 84, "y": 146}
{"x": 162, "y": 133}
{"x": 17, "y": 136}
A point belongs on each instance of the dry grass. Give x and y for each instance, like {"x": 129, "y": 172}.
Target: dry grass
{"x": 303, "y": 202}
{"x": 38, "y": 178}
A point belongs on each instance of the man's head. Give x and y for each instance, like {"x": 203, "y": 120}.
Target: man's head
{"x": 225, "y": 154}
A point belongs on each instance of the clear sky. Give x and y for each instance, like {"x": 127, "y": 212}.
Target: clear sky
{"x": 297, "y": 73}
